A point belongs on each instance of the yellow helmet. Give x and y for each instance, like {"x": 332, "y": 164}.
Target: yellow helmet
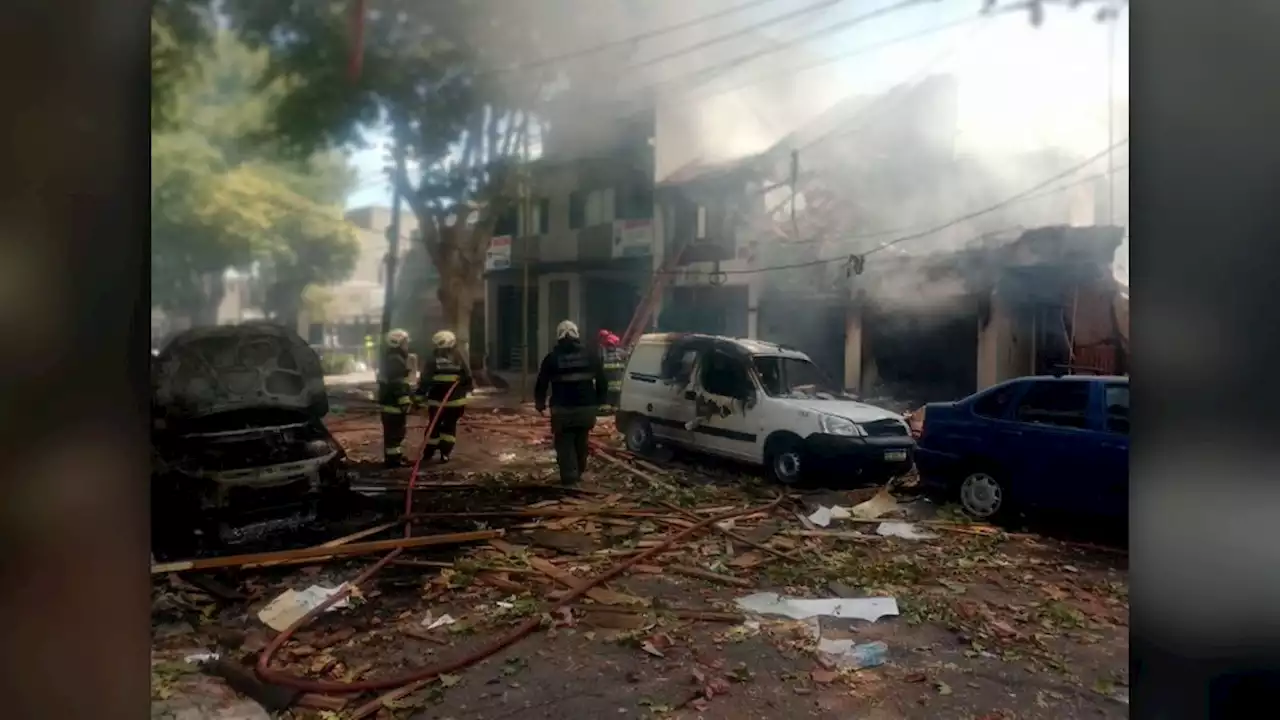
{"x": 398, "y": 339}
{"x": 444, "y": 340}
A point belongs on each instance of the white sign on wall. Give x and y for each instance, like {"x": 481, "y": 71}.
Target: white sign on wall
{"x": 632, "y": 238}
{"x": 498, "y": 256}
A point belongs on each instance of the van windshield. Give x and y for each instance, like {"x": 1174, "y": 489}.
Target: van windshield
{"x": 794, "y": 378}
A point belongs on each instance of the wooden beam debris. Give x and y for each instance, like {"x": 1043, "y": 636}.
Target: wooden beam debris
{"x": 313, "y": 553}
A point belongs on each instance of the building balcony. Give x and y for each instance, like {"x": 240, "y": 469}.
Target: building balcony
{"x": 594, "y": 244}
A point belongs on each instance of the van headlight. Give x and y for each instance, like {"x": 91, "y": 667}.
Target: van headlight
{"x": 836, "y": 425}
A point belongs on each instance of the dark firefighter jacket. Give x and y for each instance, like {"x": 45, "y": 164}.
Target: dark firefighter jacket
{"x": 441, "y": 372}
{"x": 575, "y": 376}
{"x": 614, "y": 361}
{"x": 393, "y": 381}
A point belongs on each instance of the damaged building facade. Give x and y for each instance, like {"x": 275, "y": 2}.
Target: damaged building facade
{"x": 587, "y": 253}
{"x": 1043, "y": 303}
{"x": 763, "y": 247}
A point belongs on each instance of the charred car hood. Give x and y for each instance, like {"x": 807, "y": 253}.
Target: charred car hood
{"x": 849, "y": 409}
{"x": 210, "y": 370}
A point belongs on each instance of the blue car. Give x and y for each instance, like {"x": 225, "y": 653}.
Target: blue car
{"x": 1046, "y": 443}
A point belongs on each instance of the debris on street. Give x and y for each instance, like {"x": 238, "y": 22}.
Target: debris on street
{"x": 290, "y": 606}
{"x": 868, "y": 608}
{"x": 668, "y": 589}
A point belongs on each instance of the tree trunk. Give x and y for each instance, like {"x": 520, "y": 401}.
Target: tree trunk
{"x": 206, "y": 313}
{"x": 458, "y": 294}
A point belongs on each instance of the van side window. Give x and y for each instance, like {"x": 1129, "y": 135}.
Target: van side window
{"x": 685, "y": 372}
{"x": 645, "y": 359}
{"x": 723, "y": 375}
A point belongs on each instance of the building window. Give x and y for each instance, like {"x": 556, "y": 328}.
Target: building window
{"x": 636, "y": 202}
{"x": 577, "y": 209}
{"x": 507, "y": 222}
{"x": 700, "y": 227}
{"x": 542, "y": 216}
{"x": 599, "y": 208}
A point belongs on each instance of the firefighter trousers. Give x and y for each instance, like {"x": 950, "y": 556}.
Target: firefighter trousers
{"x": 444, "y": 436}
{"x": 393, "y": 431}
{"x": 570, "y": 429}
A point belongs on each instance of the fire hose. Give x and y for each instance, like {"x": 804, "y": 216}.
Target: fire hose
{"x": 423, "y": 675}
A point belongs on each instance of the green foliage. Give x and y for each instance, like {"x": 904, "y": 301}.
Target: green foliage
{"x": 337, "y": 364}
{"x": 224, "y": 197}
{"x": 179, "y": 30}
{"x": 438, "y": 73}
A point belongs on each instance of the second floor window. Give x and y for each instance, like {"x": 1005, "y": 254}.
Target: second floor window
{"x": 587, "y": 208}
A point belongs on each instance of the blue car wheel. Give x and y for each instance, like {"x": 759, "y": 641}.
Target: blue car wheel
{"x": 982, "y": 496}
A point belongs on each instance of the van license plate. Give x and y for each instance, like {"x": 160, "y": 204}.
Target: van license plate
{"x": 895, "y": 455}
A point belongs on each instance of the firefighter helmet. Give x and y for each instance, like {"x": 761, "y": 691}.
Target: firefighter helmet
{"x": 444, "y": 340}
{"x": 567, "y": 329}
{"x": 398, "y": 339}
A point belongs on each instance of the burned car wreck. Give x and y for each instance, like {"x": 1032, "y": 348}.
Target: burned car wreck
{"x": 239, "y": 447}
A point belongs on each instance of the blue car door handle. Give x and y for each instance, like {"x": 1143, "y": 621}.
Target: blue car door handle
{"x": 1113, "y": 446}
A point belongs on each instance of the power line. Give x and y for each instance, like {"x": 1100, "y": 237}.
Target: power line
{"x": 1043, "y": 193}
{"x": 738, "y": 61}
{"x": 756, "y": 80}
{"x": 1024, "y": 195}
{"x": 904, "y": 91}
{"x": 631, "y": 39}
{"x": 822, "y": 5}
{"x": 1003, "y": 203}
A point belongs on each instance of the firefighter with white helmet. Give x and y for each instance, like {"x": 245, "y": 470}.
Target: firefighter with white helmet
{"x": 578, "y": 388}
{"x": 394, "y": 395}
{"x": 446, "y": 370}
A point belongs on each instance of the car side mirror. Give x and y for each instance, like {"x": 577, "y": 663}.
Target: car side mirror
{"x": 751, "y": 399}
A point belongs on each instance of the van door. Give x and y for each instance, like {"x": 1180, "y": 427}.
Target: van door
{"x": 671, "y": 410}
{"x": 732, "y": 431}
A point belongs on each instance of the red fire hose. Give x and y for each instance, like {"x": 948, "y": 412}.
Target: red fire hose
{"x": 268, "y": 674}
{"x": 422, "y": 674}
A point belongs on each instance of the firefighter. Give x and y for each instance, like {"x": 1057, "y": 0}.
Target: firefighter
{"x": 394, "y": 396}
{"x": 578, "y": 387}
{"x": 446, "y": 369}
{"x": 614, "y": 361}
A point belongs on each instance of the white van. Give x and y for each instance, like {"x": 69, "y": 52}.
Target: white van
{"x": 756, "y": 402}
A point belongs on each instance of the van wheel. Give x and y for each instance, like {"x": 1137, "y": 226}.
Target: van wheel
{"x": 782, "y": 457}
{"x": 983, "y": 496}
{"x": 639, "y": 436}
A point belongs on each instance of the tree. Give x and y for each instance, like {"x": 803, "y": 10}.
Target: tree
{"x": 439, "y": 74}
{"x": 222, "y": 198}
{"x": 179, "y": 30}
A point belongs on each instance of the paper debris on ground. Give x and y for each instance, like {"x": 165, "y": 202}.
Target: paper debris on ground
{"x": 903, "y": 530}
{"x": 439, "y": 622}
{"x": 291, "y": 605}
{"x": 850, "y": 654}
{"x": 823, "y": 516}
{"x": 882, "y": 503}
{"x": 870, "y": 609}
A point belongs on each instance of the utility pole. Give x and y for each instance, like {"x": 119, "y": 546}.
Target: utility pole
{"x": 393, "y": 238}
{"x": 524, "y": 229}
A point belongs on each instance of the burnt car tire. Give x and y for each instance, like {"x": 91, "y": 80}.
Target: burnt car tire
{"x": 783, "y": 460}
{"x": 173, "y": 519}
{"x": 984, "y": 495}
{"x": 639, "y": 436}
